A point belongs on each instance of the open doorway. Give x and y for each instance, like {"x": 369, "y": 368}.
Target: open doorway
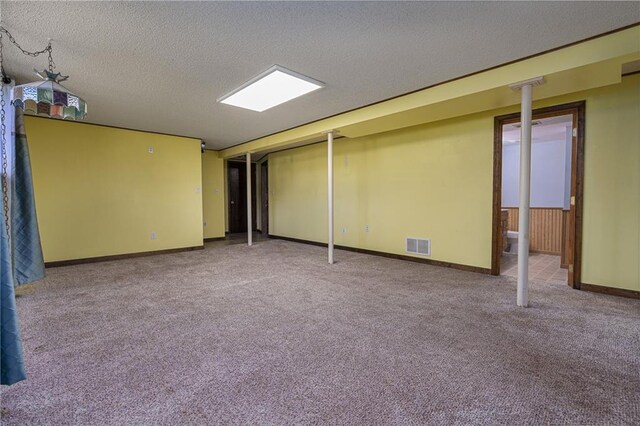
{"x": 555, "y": 219}
{"x": 264, "y": 198}
{"x": 237, "y": 182}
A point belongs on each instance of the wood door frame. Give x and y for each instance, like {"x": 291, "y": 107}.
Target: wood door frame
{"x": 577, "y": 109}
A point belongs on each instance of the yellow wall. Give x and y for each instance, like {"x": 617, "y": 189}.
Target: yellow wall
{"x": 100, "y": 192}
{"x": 213, "y": 195}
{"x": 298, "y": 193}
{"x": 418, "y": 182}
{"x": 611, "y": 246}
{"x": 435, "y": 181}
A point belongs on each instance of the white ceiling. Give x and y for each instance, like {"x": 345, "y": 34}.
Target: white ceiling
{"x": 160, "y": 66}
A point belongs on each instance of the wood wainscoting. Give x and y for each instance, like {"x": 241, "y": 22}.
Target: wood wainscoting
{"x": 547, "y": 228}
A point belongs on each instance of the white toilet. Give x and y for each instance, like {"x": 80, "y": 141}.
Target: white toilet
{"x": 512, "y": 242}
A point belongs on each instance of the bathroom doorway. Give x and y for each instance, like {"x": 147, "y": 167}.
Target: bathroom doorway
{"x": 555, "y": 217}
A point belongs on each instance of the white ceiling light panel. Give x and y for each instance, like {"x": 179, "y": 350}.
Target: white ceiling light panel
{"x": 273, "y": 87}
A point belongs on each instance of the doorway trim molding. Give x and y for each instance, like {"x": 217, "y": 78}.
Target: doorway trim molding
{"x": 577, "y": 109}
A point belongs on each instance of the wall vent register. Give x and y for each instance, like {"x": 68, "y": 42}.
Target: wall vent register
{"x": 419, "y": 246}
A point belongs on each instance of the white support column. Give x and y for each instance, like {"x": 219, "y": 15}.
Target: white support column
{"x": 522, "y": 298}
{"x": 249, "y": 218}
{"x": 330, "y": 193}
{"x": 525, "y": 87}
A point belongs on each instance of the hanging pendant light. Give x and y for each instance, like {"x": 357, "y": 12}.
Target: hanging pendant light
{"x": 49, "y": 98}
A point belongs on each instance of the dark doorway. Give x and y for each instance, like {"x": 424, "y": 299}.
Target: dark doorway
{"x": 264, "y": 192}
{"x": 237, "y": 180}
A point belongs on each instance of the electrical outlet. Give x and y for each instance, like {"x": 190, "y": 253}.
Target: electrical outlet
{"x": 344, "y": 230}
{"x": 366, "y": 228}
{"x": 205, "y": 223}
{"x": 154, "y": 236}
{"x": 150, "y": 150}
{"x": 198, "y": 189}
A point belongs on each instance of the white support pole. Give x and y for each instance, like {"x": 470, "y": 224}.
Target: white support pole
{"x": 522, "y": 298}
{"x": 526, "y": 88}
{"x": 330, "y": 193}
{"x": 249, "y": 218}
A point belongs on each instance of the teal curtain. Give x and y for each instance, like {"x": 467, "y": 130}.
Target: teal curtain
{"x": 21, "y": 259}
{"x": 11, "y": 360}
{"x": 28, "y": 262}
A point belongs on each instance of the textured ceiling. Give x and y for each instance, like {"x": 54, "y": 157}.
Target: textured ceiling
{"x": 160, "y": 66}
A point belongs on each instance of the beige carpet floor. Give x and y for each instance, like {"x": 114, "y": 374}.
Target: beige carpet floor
{"x": 273, "y": 335}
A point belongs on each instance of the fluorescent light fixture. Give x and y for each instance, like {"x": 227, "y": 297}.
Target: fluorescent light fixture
{"x": 273, "y": 87}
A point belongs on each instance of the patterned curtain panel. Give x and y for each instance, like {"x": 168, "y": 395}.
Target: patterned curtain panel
{"x": 11, "y": 361}
{"x": 21, "y": 259}
{"x": 28, "y": 262}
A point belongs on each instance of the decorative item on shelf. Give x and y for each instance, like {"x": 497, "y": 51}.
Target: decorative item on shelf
{"x": 48, "y": 97}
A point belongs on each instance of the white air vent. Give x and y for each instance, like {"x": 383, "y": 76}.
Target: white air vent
{"x": 419, "y": 246}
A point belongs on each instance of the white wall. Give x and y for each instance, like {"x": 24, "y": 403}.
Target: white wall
{"x": 548, "y": 174}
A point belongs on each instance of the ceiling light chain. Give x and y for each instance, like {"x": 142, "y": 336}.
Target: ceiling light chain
{"x": 35, "y": 54}
{"x": 5, "y": 187}
{"x": 5, "y": 192}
